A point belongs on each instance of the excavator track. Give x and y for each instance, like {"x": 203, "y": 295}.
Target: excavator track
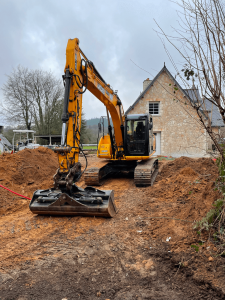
{"x": 146, "y": 172}
{"x": 91, "y": 177}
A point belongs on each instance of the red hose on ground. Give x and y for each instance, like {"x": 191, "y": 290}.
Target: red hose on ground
{"x": 14, "y": 192}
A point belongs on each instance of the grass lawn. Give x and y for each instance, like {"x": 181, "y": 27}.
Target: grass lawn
{"x": 89, "y": 147}
{"x": 165, "y": 158}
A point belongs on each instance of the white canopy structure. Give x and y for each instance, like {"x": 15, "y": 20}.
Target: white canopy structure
{"x": 20, "y": 132}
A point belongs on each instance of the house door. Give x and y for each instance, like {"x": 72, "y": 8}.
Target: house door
{"x": 158, "y": 143}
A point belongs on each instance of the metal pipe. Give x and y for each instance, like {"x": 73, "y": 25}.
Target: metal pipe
{"x": 111, "y": 140}
{"x": 13, "y": 141}
{"x": 63, "y": 138}
{"x": 108, "y": 116}
{"x": 65, "y": 115}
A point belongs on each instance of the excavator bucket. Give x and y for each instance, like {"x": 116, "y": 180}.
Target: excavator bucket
{"x": 76, "y": 202}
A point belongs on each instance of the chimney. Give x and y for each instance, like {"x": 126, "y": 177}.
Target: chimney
{"x": 146, "y": 82}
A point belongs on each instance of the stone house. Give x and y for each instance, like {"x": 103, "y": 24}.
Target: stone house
{"x": 176, "y": 124}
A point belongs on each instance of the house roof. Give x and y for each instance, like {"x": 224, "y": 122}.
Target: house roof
{"x": 4, "y": 140}
{"x": 214, "y": 114}
{"x": 192, "y": 94}
{"x": 151, "y": 84}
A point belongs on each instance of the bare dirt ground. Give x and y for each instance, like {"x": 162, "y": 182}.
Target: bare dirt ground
{"x": 144, "y": 252}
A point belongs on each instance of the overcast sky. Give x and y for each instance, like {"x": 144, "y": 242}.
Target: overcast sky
{"x": 34, "y": 34}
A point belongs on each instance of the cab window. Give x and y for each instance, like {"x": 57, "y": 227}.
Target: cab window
{"x": 136, "y": 129}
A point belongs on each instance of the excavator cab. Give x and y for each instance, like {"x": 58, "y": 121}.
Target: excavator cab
{"x": 138, "y": 145}
{"x": 137, "y": 135}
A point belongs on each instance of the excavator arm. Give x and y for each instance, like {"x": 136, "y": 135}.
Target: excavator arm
{"x": 81, "y": 74}
{"x": 66, "y": 198}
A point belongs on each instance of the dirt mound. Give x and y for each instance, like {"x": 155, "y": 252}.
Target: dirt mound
{"x": 183, "y": 193}
{"x": 203, "y": 166}
{"x": 188, "y": 172}
{"x": 27, "y": 166}
{"x": 24, "y": 172}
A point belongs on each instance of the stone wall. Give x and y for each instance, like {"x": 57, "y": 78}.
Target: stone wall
{"x": 181, "y": 133}
{"x": 216, "y": 131}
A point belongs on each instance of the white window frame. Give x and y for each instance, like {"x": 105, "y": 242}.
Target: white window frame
{"x": 156, "y": 102}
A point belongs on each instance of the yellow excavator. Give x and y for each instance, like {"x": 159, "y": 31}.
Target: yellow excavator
{"x": 128, "y": 145}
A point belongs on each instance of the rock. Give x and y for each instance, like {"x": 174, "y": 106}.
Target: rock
{"x": 185, "y": 264}
{"x": 4, "y": 277}
{"x": 148, "y": 263}
{"x": 98, "y": 294}
{"x": 153, "y": 273}
{"x": 210, "y": 258}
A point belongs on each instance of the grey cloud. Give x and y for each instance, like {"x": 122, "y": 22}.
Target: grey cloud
{"x": 34, "y": 34}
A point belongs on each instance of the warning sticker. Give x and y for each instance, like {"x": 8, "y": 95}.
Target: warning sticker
{"x": 104, "y": 91}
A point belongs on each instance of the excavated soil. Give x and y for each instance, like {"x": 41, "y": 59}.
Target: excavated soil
{"x": 144, "y": 252}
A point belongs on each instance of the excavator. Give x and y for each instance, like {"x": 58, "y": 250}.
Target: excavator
{"x": 127, "y": 147}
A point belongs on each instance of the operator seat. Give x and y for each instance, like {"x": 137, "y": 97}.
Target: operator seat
{"x": 139, "y": 130}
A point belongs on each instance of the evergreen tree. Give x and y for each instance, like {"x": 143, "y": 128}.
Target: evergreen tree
{"x": 83, "y": 131}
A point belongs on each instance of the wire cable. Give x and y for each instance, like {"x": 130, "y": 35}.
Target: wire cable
{"x": 85, "y": 166}
{"x": 14, "y": 192}
{"x": 81, "y": 83}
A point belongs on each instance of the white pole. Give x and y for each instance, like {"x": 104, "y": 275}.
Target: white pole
{"x": 13, "y": 142}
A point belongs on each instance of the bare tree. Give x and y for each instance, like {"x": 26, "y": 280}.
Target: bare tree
{"x": 17, "y": 107}
{"x": 200, "y": 40}
{"x": 46, "y": 95}
{"x": 33, "y": 98}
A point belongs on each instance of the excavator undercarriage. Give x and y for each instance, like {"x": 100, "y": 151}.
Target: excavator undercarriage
{"x": 145, "y": 172}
